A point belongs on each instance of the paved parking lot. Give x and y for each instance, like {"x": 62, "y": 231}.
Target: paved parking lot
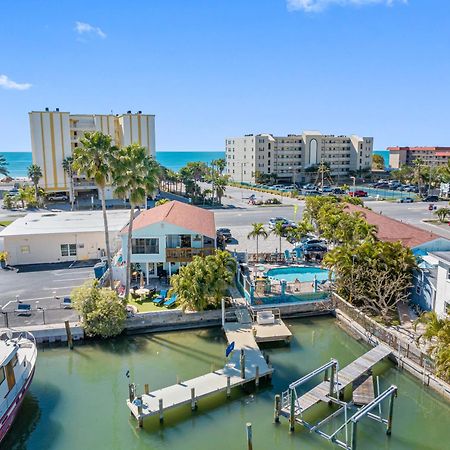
{"x": 42, "y": 286}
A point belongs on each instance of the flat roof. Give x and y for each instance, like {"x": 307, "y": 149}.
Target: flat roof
{"x": 444, "y": 256}
{"x": 48, "y": 222}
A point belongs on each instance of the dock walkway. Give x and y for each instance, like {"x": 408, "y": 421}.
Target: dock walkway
{"x": 188, "y": 392}
{"x": 345, "y": 377}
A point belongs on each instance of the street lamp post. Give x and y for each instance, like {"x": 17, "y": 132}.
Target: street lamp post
{"x": 354, "y": 184}
{"x": 242, "y": 180}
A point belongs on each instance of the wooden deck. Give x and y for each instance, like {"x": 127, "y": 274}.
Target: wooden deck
{"x": 188, "y": 392}
{"x": 346, "y": 376}
{"x": 363, "y": 390}
{"x": 277, "y": 331}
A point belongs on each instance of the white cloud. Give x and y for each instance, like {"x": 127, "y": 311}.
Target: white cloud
{"x": 320, "y": 5}
{"x": 83, "y": 27}
{"x": 6, "y": 83}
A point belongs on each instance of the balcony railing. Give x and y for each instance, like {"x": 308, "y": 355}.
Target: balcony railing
{"x": 187, "y": 253}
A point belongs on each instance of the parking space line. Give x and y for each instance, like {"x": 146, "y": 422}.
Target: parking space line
{"x": 73, "y": 279}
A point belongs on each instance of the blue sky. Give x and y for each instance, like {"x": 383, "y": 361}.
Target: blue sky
{"x": 217, "y": 68}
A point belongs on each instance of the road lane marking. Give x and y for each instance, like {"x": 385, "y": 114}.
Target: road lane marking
{"x": 73, "y": 279}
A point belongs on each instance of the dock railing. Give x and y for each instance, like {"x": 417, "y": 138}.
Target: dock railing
{"x": 376, "y": 332}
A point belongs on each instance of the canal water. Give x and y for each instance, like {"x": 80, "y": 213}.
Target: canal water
{"x": 77, "y": 399}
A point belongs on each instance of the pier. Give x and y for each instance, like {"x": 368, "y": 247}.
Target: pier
{"x": 245, "y": 364}
{"x": 358, "y": 374}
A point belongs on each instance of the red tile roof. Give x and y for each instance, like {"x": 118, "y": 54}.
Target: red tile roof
{"x": 183, "y": 215}
{"x": 391, "y": 230}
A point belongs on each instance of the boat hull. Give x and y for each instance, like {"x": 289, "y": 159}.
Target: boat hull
{"x": 7, "y": 419}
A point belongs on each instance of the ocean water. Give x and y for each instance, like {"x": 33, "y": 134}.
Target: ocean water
{"x": 18, "y": 162}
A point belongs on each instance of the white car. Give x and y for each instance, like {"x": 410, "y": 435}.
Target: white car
{"x": 58, "y": 197}
{"x": 283, "y": 220}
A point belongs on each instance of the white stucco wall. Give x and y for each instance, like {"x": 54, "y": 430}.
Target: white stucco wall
{"x": 442, "y": 289}
{"x": 46, "y": 248}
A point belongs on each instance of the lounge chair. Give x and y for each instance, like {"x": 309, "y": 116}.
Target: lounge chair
{"x": 23, "y": 309}
{"x": 161, "y": 297}
{"x": 171, "y": 302}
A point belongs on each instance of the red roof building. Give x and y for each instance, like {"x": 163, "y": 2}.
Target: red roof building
{"x": 435, "y": 156}
{"x": 391, "y": 230}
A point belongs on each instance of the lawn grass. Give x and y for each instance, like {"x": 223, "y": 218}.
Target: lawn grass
{"x": 146, "y": 305}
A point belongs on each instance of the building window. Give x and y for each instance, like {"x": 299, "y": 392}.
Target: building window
{"x": 24, "y": 249}
{"x": 68, "y": 250}
{"x": 145, "y": 246}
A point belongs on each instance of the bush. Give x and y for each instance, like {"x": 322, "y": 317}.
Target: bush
{"x": 8, "y": 201}
{"x": 102, "y": 311}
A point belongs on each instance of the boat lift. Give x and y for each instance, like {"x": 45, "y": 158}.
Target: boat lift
{"x": 293, "y": 405}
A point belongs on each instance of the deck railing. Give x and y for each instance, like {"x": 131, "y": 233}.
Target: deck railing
{"x": 185, "y": 254}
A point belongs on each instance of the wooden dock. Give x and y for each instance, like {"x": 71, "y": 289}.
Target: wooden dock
{"x": 235, "y": 373}
{"x": 363, "y": 390}
{"x": 345, "y": 377}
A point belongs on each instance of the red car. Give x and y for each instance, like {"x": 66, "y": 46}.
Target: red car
{"x": 358, "y": 193}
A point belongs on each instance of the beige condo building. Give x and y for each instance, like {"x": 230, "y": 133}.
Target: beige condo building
{"x": 289, "y": 157}
{"x": 55, "y": 135}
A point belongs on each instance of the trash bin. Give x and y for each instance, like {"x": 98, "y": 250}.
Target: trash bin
{"x": 99, "y": 270}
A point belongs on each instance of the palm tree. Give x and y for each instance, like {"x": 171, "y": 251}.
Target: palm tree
{"x": 219, "y": 164}
{"x": 135, "y": 176}
{"x": 258, "y": 231}
{"x": 35, "y": 174}
{"x": 94, "y": 158}
{"x": 280, "y": 231}
{"x": 220, "y": 184}
{"x": 68, "y": 169}
{"x": 24, "y": 195}
{"x": 3, "y": 164}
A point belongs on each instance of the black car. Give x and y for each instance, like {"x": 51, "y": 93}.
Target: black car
{"x": 224, "y": 233}
{"x": 431, "y": 198}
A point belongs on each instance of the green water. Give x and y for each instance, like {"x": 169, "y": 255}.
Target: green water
{"x": 77, "y": 399}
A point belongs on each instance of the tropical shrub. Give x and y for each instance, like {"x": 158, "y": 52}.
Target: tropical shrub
{"x": 162, "y": 202}
{"x": 102, "y": 311}
{"x": 202, "y": 283}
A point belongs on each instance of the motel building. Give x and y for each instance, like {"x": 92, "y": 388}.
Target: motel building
{"x": 167, "y": 237}
{"x": 53, "y": 237}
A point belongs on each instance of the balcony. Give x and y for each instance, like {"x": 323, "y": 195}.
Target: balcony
{"x": 186, "y": 254}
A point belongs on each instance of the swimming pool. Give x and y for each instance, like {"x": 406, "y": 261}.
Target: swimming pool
{"x": 291, "y": 274}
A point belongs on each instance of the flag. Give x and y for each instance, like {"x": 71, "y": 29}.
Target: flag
{"x": 229, "y": 349}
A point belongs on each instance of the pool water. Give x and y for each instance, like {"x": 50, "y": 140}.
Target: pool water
{"x": 290, "y": 274}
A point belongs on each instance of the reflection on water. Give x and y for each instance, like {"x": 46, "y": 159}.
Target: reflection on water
{"x": 77, "y": 399}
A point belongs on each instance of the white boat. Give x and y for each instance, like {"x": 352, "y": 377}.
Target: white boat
{"x": 17, "y": 364}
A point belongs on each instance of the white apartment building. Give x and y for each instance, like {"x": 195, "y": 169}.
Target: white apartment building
{"x": 55, "y": 134}
{"x": 289, "y": 156}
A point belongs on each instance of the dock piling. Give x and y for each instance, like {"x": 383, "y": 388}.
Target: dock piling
{"x": 354, "y": 429}
{"x": 242, "y": 362}
{"x": 161, "y": 411}
{"x": 277, "y": 408}
{"x": 131, "y": 392}
{"x": 292, "y": 411}
{"x": 146, "y": 389}
{"x": 69, "y": 335}
{"x": 228, "y": 387}
{"x": 249, "y": 436}
{"x": 332, "y": 377}
{"x": 257, "y": 377}
{"x": 391, "y": 413}
{"x": 193, "y": 400}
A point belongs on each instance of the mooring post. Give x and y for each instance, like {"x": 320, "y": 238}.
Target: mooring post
{"x": 292, "y": 411}
{"x": 277, "y": 409}
{"x": 391, "y": 412}
{"x": 333, "y": 375}
{"x": 146, "y": 389}
{"x": 249, "y": 436}
{"x": 131, "y": 392}
{"x": 193, "y": 400}
{"x": 228, "y": 387}
{"x": 354, "y": 429}
{"x": 242, "y": 361}
{"x": 223, "y": 313}
{"x": 267, "y": 358}
{"x": 161, "y": 415}
{"x": 69, "y": 335}
{"x": 325, "y": 376}
{"x": 257, "y": 377}
{"x": 139, "y": 408}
